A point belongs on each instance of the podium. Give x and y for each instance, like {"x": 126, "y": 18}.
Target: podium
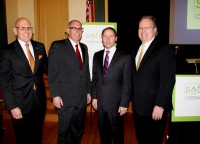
{"x": 194, "y": 61}
{"x": 187, "y": 63}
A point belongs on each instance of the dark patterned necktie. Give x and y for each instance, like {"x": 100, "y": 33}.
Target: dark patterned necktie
{"x": 106, "y": 63}
{"x": 79, "y": 57}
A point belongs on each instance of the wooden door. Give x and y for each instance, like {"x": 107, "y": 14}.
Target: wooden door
{"x": 51, "y": 18}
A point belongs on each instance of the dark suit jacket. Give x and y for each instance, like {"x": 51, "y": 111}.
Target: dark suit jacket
{"x": 114, "y": 89}
{"x": 17, "y": 79}
{"x": 154, "y": 81}
{"x": 66, "y": 79}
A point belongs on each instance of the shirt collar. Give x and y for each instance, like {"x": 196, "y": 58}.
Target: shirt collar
{"x": 112, "y": 49}
{"x": 148, "y": 43}
{"x": 73, "y": 43}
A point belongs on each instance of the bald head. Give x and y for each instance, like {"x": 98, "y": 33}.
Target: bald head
{"x": 17, "y": 22}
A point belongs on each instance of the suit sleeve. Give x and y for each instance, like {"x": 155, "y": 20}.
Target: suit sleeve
{"x": 94, "y": 78}
{"x": 5, "y": 79}
{"x": 88, "y": 73}
{"x": 53, "y": 69}
{"x": 127, "y": 82}
{"x": 44, "y": 59}
{"x": 167, "y": 77}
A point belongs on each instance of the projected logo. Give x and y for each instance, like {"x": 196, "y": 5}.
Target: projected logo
{"x": 197, "y": 9}
{"x": 93, "y": 37}
{"x": 192, "y": 91}
{"x": 193, "y": 14}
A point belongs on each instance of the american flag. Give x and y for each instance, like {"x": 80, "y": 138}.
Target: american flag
{"x": 89, "y": 10}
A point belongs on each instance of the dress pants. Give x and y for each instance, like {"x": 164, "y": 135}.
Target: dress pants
{"x": 29, "y": 129}
{"x": 111, "y": 127}
{"x": 149, "y": 131}
{"x": 71, "y": 121}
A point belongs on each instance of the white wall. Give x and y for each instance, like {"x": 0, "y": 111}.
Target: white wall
{"x": 77, "y": 10}
{"x": 16, "y": 9}
{"x": 25, "y": 8}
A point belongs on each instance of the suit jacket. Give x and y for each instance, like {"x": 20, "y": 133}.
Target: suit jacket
{"x": 114, "y": 89}
{"x": 154, "y": 80}
{"x": 66, "y": 79}
{"x": 17, "y": 79}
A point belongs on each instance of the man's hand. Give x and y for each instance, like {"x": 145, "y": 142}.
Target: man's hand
{"x": 94, "y": 104}
{"x": 157, "y": 113}
{"x": 16, "y": 113}
{"x": 57, "y": 102}
{"x": 122, "y": 110}
{"x": 89, "y": 98}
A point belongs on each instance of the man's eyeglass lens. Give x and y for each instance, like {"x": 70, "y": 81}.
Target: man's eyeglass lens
{"x": 24, "y": 28}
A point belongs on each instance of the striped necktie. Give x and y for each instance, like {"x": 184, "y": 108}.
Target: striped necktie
{"x": 106, "y": 63}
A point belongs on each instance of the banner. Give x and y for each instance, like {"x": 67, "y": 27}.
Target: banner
{"x": 186, "y": 98}
{"x": 92, "y": 37}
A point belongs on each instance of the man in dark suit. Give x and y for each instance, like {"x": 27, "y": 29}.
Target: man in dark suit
{"x": 154, "y": 79}
{"x": 111, "y": 88}
{"x": 23, "y": 85}
{"x": 69, "y": 81}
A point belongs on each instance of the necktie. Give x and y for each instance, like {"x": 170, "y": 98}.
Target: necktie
{"x": 106, "y": 63}
{"x": 79, "y": 56}
{"x": 140, "y": 56}
{"x": 31, "y": 60}
{"x": 30, "y": 57}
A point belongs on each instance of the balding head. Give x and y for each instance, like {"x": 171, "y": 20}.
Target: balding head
{"x": 23, "y": 29}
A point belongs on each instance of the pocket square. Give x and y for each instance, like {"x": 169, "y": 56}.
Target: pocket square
{"x": 40, "y": 56}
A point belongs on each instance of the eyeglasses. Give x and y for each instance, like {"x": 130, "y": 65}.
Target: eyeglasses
{"x": 24, "y": 28}
{"x": 76, "y": 28}
{"x": 145, "y": 28}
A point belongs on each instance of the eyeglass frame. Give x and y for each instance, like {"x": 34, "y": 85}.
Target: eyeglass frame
{"x": 76, "y": 28}
{"x": 24, "y": 28}
{"x": 145, "y": 28}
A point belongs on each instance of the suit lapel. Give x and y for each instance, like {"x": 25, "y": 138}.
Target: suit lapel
{"x": 36, "y": 54}
{"x": 112, "y": 62}
{"x": 20, "y": 52}
{"x": 148, "y": 53}
{"x": 70, "y": 47}
{"x": 22, "y": 55}
{"x": 114, "y": 59}
{"x": 71, "y": 51}
{"x": 83, "y": 53}
{"x": 101, "y": 60}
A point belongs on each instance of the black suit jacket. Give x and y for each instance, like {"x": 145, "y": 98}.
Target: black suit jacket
{"x": 114, "y": 89}
{"x": 17, "y": 79}
{"x": 154, "y": 81}
{"x": 66, "y": 79}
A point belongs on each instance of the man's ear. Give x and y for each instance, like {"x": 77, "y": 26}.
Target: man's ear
{"x": 15, "y": 31}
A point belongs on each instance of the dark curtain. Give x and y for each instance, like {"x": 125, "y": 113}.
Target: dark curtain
{"x": 128, "y": 13}
{"x": 3, "y": 27}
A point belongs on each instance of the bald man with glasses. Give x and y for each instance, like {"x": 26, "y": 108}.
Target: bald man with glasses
{"x": 22, "y": 64}
{"x": 69, "y": 81}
